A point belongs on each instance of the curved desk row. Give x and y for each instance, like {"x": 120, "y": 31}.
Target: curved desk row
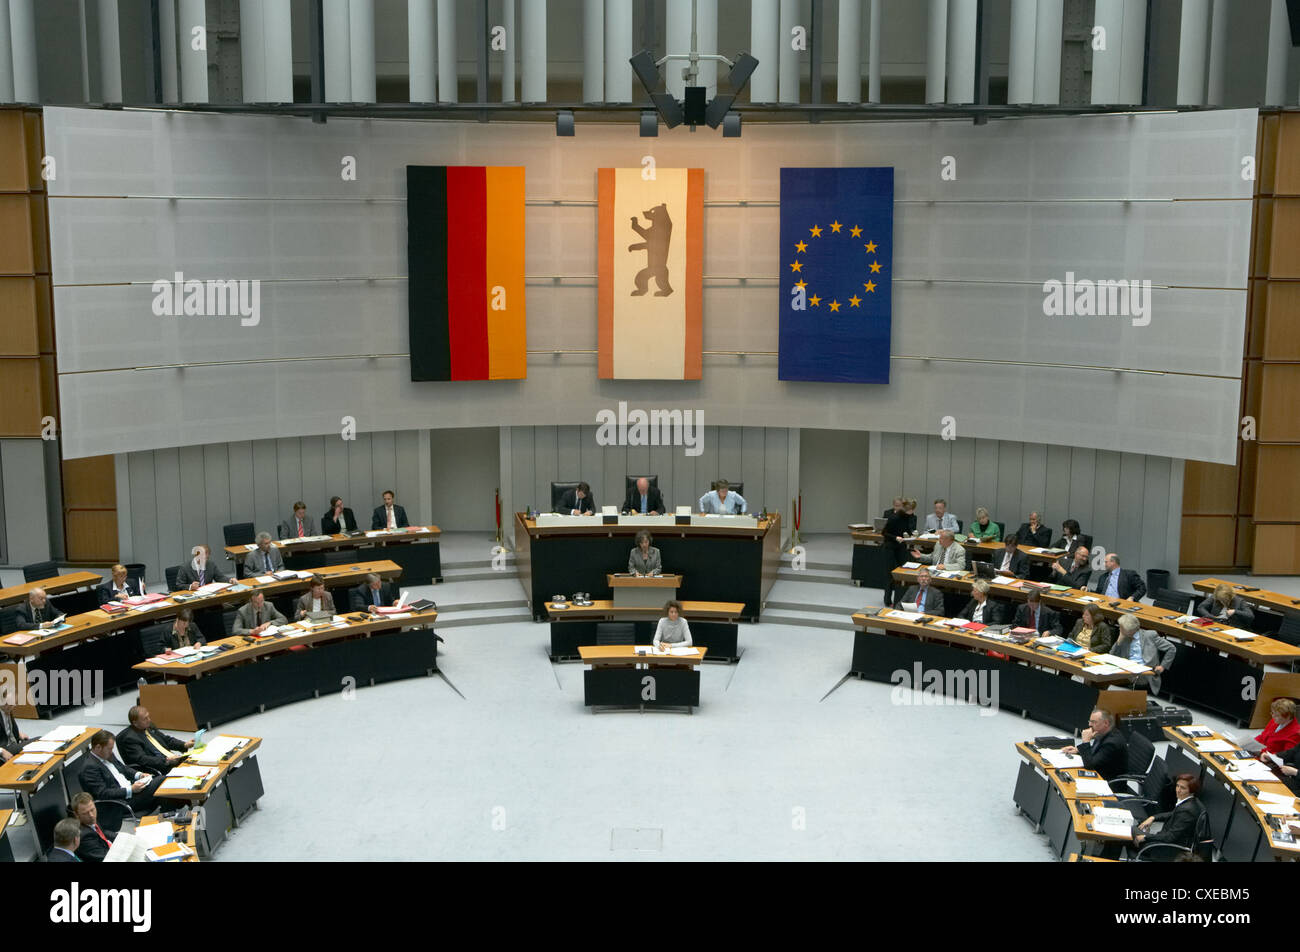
{"x": 416, "y": 549}
{"x": 873, "y": 560}
{"x": 1049, "y": 798}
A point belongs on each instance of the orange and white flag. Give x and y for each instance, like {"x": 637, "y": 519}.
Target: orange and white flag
{"x": 651, "y": 274}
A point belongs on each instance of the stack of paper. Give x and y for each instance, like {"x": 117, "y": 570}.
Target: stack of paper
{"x": 1251, "y": 770}
{"x": 1213, "y": 746}
{"x": 41, "y": 746}
{"x": 33, "y": 759}
{"x": 682, "y": 650}
{"x": 1088, "y": 787}
{"x": 911, "y": 565}
{"x": 155, "y": 834}
{"x": 904, "y": 616}
{"x": 217, "y": 748}
{"x": 211, "y": 588}
{"x": 1113, "y": 821}
{"x": 1239, "y": 634}
{"x": 1004, "y": 580}
{"x": 1100, "y": 670}
{"x": 1276, "y": 804}
{"x": 67, "y": 732}
{"x": 1058, "y": 758}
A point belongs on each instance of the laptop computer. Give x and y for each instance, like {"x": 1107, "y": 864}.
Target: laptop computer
{"x": 984, "y": 569}
{"x": 315, "y": 617}
{"x": 879, "y": 523}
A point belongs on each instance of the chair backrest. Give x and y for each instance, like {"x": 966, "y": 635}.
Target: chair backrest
{"x": 615, "y": 633}
{"x": 136, "y": 571}
{"x": 1177, "y": 763}
{"x": 151, "y": 639}
{"x": 629, "y": 482}
{"x": 1204, "y": 847}
{"x": 8, "y": 621}
{"x": 40, "y": 570}
{"x": 1172, "y": 600}
{"x": 732, "y": 487}
{"x": 558, "y": 490}
{"x": 959, "y": 522}
{"x": 239, "y": 533}
{"x": 1156, "y": 785}
{"x": 1140, "y": 753}
{"x": 170, "y": 573}
{"x": 1289, "y": 630}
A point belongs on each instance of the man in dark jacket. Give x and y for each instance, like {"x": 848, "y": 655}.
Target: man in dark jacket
{"x": 1102, "y": 747}
{"x": 145, "y": 747}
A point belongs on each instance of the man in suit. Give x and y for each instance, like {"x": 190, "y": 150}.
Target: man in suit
{"x": 265, "y": 559}
{"x": 1011, "y": 561}
{"x": 315, "y": 599}
{"x": 645, "y": 499}
{"x": 200, "y": 570}
{"x": 120, "y": 586}
{"x": 257, "y": 615}
{"x": 1073, "y": 569}
{"x": 145, "y": 747}
{"x": 1116, "y": 582}
{"x": 1179, "y": 823}
{"x": 375, "y": 593}
{"x": 1072, "y": 537}
{"x": 1034, "y": 532}
{"x": 1146, "y": 647}
{"x": 36, "y": 612}
{"x": 67, "y": 834}
{"x": 981, "y": 609}
{"x": 941, "y": 518}
{"x": 577, "y": 502}
{"x": 1101, "y": 746}
{"x": 93, "y": 840}
{"x": 11, "y": 737}
{"x": 389, "y": 515}
{"x": 105, "y": 777}
{"x": 1034, "y": 614}
{"x": 299, "y": 525}
{"x": 922, "y": 597}
{"x": 338, "y": 519}
{"x": 947, "y": 554}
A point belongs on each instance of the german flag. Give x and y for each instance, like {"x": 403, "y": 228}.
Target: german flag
{"x": 465, "y": 257}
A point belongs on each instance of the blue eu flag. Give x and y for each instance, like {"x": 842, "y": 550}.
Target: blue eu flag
{"x": 837, "y": 239}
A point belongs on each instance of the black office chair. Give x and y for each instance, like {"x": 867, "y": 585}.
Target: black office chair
{"x": 1153, "y": 796}
{"x": 135, "y": 571}
{"x": 629, "y": 482}
{"x": 170, "y": 573}
{"x": 113, "y": 814}
{"x": 38, "y": 571}
{"x": 959, "y": 522}
{"x": 1289, "y": 630}
{"x": 239, "y": 533}
{"x": 151, "y": 639}
{"x": 1141, "y": 756}
{"x": 615, "y": 633}
{"x": 732, "y": 486}
{"x": 228, "y": 621}
{"x": 1172, "y": 852}
{"x": 1173, "y": 600}
{"x": 557, "y": 493}
{"x": 1178, "y": 763}
{"x": 8, "y": 621}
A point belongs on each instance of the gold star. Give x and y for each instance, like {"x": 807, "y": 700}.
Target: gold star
{"x": 796, "y": 266}
{"x": 801, "y": 247}
{"x": 855, "y": 231}
{"x": 870, "y": 286}
{"x": 835, "y": 227}
{"x": 816, "y": 231}
{"x": 875, "y": 267}
{"x": 871, "y": 247}
{"x": 800, "y": 283}
{"x": 855, "y": 300}
{"x": 835, "y": 305}
{"x": 815, "y": 301}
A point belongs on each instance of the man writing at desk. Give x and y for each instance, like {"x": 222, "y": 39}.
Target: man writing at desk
{"x": 577, "y": 502}
{"x": 266, "y": 558}
{"x": 720, "y": 500}
{"x": 257, "y": 616}
{"x": 644, "y": 558}
{"x": 644, "y": 499}
{"x": 35, "y": 613}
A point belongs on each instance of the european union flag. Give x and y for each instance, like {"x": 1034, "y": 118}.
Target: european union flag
{"x": 837, "y": 240}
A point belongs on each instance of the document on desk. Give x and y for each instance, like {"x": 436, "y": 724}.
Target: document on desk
{"x": 32, "y": 759}
{"x": 67, "y": 732}
{"x": 1112, "y": 821}
{"x": 1273, "y": 808}
{"x": 263, "y": 579}
{"x": 1213, "y": 746}
{"x": 1004, "y": 580}
{"x": 1239, "y": 634}
{"x": 904, "y": 616}
{"x": 1251, "y": 770}
{"x": 125, "y": 849}
{"x": 155, "y": 834}
{"x": 1100, "y": 670}
{"x": 192, "y": 771}
{"x": 173, "y": 784}
{"x": 1059, "y": 758}
{"x": 1124, "y": 664}
{"x": 682, "y": 650}
{"x": 211, "y": 588}
{"x": 1087, "y": 786}
{"x": 217, "y": 748}
{"x": 911, "y": 565}
{"x": 41, "y": 746}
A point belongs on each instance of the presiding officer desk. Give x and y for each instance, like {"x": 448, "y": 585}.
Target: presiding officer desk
{"x": 1041, "y": 683}
{"x": 621, "y": 678}
{"x": 83, "y": 645}
{"x": 249, "y": 676}
{"x": 415, "y": 548}
{"x": 720, "y": 558}
{"x": 714, "y": 625}
{"x": 1212, "y": 669}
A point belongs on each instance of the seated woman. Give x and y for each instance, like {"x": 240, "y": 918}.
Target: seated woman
{"x": 672, "y": 631}
{"x": 1092, "y": 632}
{"x": 644, "y": 558}
{"x": 316, "y": 599}
{"x": 983, "y": 529}
{"x": 1179, "y": 823}
{"x": 1226, "y": 607}
{"x": 183, "y": 632}
{"x": 1282, "y": 732}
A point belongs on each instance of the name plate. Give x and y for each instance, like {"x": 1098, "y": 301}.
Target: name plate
{"x": 640, "y": 520}
{"x": 729, "y": 522}
{"x": 555, "y": 519}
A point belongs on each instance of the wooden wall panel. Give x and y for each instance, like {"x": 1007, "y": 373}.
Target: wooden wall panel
{"x": 19, "y": 320}
{"x": 1276, "y": 551}
{"x": 14, "y": 164}
{"x": 1284, "y": 145}
{"x": 16, "y": 253}
{"x": 1280, "y": 337}
{"x": 1284, "y": 239}
{"x": 1207, "y": 542}
{"x": 20, "y": 397}
{"x": 90, "y": 482}
{"x": 1276, "y": 499}
{"x": 1209, "y": 489}
{"x": 1279, "y": 402}
{"x": 91, "y": 535}
{"x": 1266, "y": 154}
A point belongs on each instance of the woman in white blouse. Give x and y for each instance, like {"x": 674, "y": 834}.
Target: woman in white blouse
{"x": 673, "y": 631}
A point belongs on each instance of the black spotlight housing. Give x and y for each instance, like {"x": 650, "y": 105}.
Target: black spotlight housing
{"x": 731, "y": 126}
{"x": 649, "y": 123}
{"x": 564, "y": 122}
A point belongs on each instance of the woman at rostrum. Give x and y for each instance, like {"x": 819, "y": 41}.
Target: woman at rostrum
{"x": 644, "y": 558}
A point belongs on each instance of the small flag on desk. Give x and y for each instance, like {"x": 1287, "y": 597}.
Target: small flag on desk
{"x": 837, "y": 237}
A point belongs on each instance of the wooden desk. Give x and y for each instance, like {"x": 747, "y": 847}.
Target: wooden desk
{"x": 43, "y": 789}
{"x": 225, "y": 797}
{"x": 872, "y": 559}
{"x": 58, "y": 585}
{"x": 1248, "y": 835}
{"x": 643, "y": 591}
{"x": 714, "y": 625}
{"x": 421, "y": 563}
{"x": 250, "y": 677}
{"x": 1210, "y": 666}
{"x": 1262, "y": 598}
{"x": 6, "y": 845}
{"x": 1049, "y": 797}
{"x": 619, "y": 678}
{"x": 728, "y": 562}
{"x": 189, "y": 837}
{"x": 1041, "y": 684}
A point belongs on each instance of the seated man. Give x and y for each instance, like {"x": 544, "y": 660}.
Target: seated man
{"x": 200, "y": 570}
{"x": 720, "y": 499}
{"x": 11, "y": 736}
{"x": 299, "y": 525}
{"x": 577, "y": 502}
{"x": 946, "y": 555}
{"x": 921, "y": 597}
{"x": 374, "y": 593}
{"x": 981, "y": 609}
{"x": 145, "y": 747}
{"x": 67, "y": 834}
{"x": 1073, "y": 569}
{"x": 1115, "y": 582}
{"x": 36, "y": 612}
{"x": 1034, "y": 614}
{"x": 1134, "y": 644}
{"x": 315, "y": 599}
{"x": 120, "y": 586}
{"x": 1102, "y": 748}
{"x": 1034, "y": 533}
{"x": 105, "y": 777}
{"x": 256, "y": 616}
{"x": 265, "y": 559}
{"x": 389, "y": 515}
{"x": 94, "y": 841}
{"x": 941, "y": 518}
{"x": 645, "y": 499}
{"x": 1011, "y": 561}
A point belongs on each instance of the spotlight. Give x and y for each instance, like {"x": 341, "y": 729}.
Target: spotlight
{"x": 649, "y": 123}
{"x": 731, "y": 126}
{"x": 695, "y": 106}
{"x": 564, "y": 122}
{"x": 740, "y": 73}
{"x": 669, "y": 108}
{"x": 643, "y": 64}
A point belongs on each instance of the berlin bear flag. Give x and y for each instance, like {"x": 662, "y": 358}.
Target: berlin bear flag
{"x": 836, "y": 257}
{"x": 651, "y": 274}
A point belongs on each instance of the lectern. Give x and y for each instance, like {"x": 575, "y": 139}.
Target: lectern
{"x": 643, "y": 591}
